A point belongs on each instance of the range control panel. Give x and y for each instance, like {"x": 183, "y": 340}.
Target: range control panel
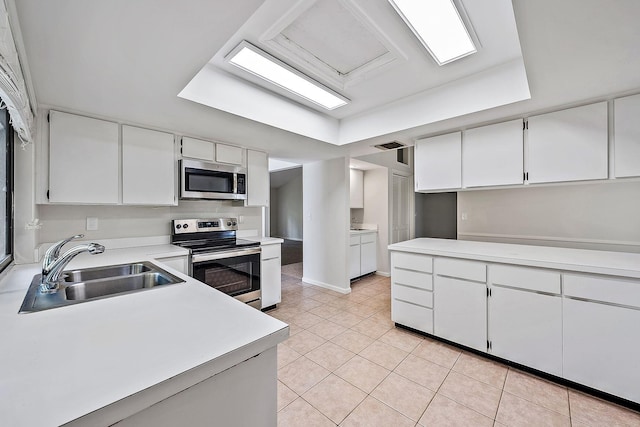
{"x": 181, "y": 226}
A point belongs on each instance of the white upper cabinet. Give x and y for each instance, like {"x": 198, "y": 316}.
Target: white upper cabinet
{"x": 438, "y": 163}
{"x": 198, "y": 149}
{"x": 148, "y": 167}
{"x": 356, "y": 188}
{"x": 493, "y": 155}
{"x": 229, "y": 154}
{"x": 83, "y": 160}
{"x": 568, "y": 145}
{"x": 627, "y": 136}
{"x": 257, "y": 179}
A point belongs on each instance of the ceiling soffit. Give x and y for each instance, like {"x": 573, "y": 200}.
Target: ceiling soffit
{"x": 336, "y": 40}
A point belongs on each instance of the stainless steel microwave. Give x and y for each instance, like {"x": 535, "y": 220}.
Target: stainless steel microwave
{"x": 212, "y": 181}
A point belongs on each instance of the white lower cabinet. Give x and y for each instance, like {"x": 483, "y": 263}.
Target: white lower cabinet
{"x": 525, "y": 316}
{"x": 411, "y": 291}
{"x": 601, "y": 339}
{"x": 526, "y": 327}
{"x": 362, "y": 255}
{"x": 460, "y": 304}
{"x": 270, "y": 279}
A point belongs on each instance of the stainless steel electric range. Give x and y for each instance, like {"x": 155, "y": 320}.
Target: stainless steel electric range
{"x": 219, "y": 259}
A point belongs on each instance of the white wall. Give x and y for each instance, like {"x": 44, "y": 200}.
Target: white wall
{"x": 591, "y": 216}
{"x": 326, "y": 223}
{"x": 376, "y": 211}
{"x": 288, "y": 205}
{"x": 25, "y": 238}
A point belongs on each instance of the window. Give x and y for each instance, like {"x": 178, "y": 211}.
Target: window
{"x": 6, "y": 197}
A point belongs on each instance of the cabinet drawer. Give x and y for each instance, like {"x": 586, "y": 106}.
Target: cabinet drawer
{"x": 601, "y": 288}
{"x": 413, "y": 316}
{"x": 462, "y": 269}
{"x": 415, "y": 279}
{"x": 409, "y": 261}
{"x": 525, "y": 278}
{"x": 354, "y": 240}
{"x": 367, "y": 238}
{"x": 269, "y": 252}
{"x": 412, "y": 295}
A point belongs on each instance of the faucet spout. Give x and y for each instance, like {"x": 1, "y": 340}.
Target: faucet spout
{"x": 53, "y": 252}
{"x": 51, "y": 273}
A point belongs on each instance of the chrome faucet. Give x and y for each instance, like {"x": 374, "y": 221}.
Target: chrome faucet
{"x": 53, "y": 263}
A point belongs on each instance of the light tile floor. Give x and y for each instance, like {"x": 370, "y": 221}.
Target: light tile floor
{"x": 346, "y": 364}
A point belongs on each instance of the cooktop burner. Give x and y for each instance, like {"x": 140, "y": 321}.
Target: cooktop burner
{"x": 208, "y": 235}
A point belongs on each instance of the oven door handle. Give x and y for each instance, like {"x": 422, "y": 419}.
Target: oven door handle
{"x": 222, "y": 255}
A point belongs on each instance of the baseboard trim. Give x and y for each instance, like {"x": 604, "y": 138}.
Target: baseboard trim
{"x": 383, "y": 274}
{"x": 326, "y": 285}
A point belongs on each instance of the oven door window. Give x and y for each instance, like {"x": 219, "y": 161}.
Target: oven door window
{"x": 233, "y": 276}
{"x": 205, "y": 181}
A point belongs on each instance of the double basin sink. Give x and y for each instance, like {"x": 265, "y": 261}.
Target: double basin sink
{"x": 77, "y": 286}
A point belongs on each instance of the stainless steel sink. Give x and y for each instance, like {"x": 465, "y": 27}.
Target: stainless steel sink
{"x": 80, "y": 286}
{"x": 103, "y": 272}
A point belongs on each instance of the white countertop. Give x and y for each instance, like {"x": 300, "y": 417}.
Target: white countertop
{"x": 358, "y": 232}
{"x": 265, "y": 240}
{"x": 582, "y": 260}
{"x": 58, "y": 365}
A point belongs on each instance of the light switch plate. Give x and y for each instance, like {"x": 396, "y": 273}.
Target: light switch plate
{"x": 92, "y": 223}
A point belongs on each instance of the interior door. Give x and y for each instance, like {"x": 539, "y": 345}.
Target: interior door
{"x": 400, "y": 212}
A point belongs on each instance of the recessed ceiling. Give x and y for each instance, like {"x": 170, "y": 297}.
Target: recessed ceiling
{"x": 363, "y": 50}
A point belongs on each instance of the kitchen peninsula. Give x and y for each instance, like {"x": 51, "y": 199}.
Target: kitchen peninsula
{"x": 570, "y": 313}
{"x": 178, "y": 354}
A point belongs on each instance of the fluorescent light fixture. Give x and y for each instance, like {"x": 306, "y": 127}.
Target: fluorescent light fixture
{"x": 265, "y": 66}
{"x": 438, "y": 26}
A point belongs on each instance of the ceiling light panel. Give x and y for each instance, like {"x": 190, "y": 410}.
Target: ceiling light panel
{"x": 438, "y": 26}
{"x": 259, "y": 63}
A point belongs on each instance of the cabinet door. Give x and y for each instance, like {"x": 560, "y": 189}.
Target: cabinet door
{"x": 148, "y": 167}
{"x": 438, "y": 162}
{"x": 368, "y": 260}
{"x": 526, "y": 327}
{"x": 601, "y": 347}
{"x": 83, "y": 160}
{"x": 493, "y": 155}
{"x": 229, "y": 154}
{"x": 460, "y": 311}
{"x": 270, "y": 280}
{"x": 356, "y": 188}
{"x": 627, "y": 136}
{"x": 197, "y": 149}
{"x": 257, "y": 179}
{"x": 569, "y": 145}
{"x": 354, "y": 260}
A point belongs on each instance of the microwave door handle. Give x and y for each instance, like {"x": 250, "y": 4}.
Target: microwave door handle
{"x": 235, "y": 183}
{"x": 222, "y": 255}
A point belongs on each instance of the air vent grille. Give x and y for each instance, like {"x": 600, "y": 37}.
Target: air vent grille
{"x": 390, "y": 145}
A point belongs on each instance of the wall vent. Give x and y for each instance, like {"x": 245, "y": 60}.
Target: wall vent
{"x": 390, "y": 145}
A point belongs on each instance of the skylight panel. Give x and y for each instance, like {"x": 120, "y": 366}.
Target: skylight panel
{"x": 263, "y": 65}
{"x": 438, "y": 26}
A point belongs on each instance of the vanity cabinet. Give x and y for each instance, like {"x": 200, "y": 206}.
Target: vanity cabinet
{"x": 412, "y": 290}
{"x": 270, "y": 279}
{"x": 627, "y": 136}
{"x": 148, "y": 167}
{"x": 438, "y": 162}
{"x": 568, "y": 145}
{"x": 493, "y": 155}
{"x": 362, "y": 254}
{"x": 460, "y": 294}
{"x": 257, "y": 179}
{"x": 84, "y": 165}
{"x": 356, "y": 189}
{"x": 525, "y": 317}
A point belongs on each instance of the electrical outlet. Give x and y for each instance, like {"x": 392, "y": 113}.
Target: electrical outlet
{"x": 92, "y": 223}
{"x": 464, "y": 216}
{"x": 240, "y": 219}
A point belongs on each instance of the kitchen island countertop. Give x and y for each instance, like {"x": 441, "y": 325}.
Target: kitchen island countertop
{"x": 113, "y": 357}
